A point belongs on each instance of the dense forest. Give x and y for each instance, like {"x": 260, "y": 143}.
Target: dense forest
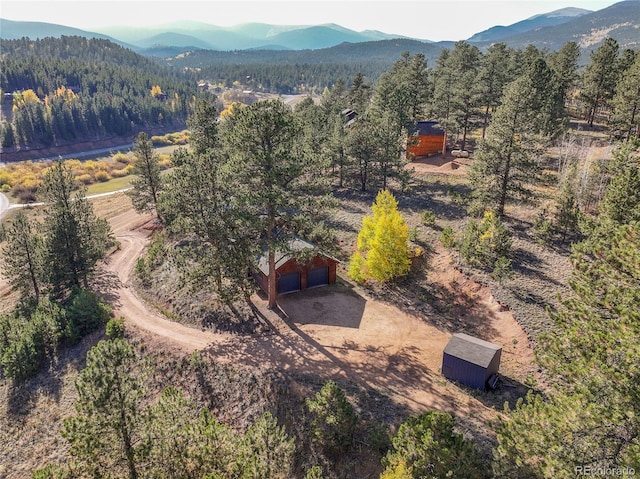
{"x": 73, "y": 88}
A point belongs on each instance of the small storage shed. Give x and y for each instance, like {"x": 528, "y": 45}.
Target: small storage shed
{"x": 470, "y": 361}
{"x": 427, "y": 141}
{"x": 292, "y": 275}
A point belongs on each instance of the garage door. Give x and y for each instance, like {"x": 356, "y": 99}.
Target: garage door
{"x": 287, "y": 283}
{"x": 318, "y": 277}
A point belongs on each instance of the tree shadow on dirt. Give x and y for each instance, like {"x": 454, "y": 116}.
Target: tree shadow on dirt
{"x": 335, "y": 305}
{"x": 527, "y": 263}
{"x": 107, "y": 283}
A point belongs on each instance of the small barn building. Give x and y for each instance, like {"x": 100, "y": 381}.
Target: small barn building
{"x": 428, "y": 140}
{"x": 470, "y": 361}
{"x": 296, "y": 275}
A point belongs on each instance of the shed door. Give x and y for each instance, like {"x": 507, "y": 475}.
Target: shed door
{"x": 287, "y": 283}
{"x": 318, "y": 277}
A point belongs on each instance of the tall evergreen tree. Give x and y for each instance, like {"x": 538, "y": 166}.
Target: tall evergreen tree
{"x": 23, "y": 258}
{"x": 590, "y": 420}
{"x": 106, "y": 432}
{"x": 278, "y": 185}
{"x": 564, "y": 64}
{"x": 441, "y": 107}
{"x": 147, "y": 186}
{"x": 359, "y": 94}
{"x": 196, "y": 205}
{"x": 493, "y": 77}
{"x": 626, "y": 103}
{"x": 75, "y": 238}
{"x": 600, "y": 77}
{"x": 362, "y": 149}
{"x": 506, "y": 161}
{"x": 464, "y": 63}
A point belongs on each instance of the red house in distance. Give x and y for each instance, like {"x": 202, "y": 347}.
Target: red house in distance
{"x": 428, "y": 141}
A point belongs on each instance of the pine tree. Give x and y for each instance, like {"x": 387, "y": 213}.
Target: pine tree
{"x": 333, "y": 419}
{"x": 266, "y": 450}
{"x": 591, "y": 417}
{"x": 196, "y": 206}
{"x": 382, "y": 242}
{"x": 105, "y": 433}
{"x": 147, "y": 186}
{"x": 493, "y": 78}
{"x": 600, "y": 77}
{"x": 75, "y": 238}
{"x": 564, "y": 64}
{"x": 23, "y": 258}
{"x": 506, "y": 162}
{"x": 278, "y": 186}
{"x": 426, "y": 446}
{"x": 626, "y": 103}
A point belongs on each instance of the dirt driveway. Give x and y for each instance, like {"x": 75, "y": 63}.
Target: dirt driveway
{"x": 337, "y": 332}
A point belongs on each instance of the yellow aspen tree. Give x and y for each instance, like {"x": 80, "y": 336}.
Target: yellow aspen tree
{"x": 382, "y": 250}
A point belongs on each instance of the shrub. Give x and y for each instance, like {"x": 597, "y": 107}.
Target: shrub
{"x": 51, "y": 471}
{"x": 85, "y": 314}
{"x": 428, "y": 218}
{"x": 543, "y": 227}
{"x": 86, "y": 179}
{"x": 102, "y": 176}
{"x": 24, "y": 193}
{"x": 448, "y": 237}
{"x": 314, "y": 473}
{"x": 483, "y": 243}
{"x": 379, "y": 437}
{"x": 115, "y": 328}
{"x": 161, "y": 140}
{"x": 333, "y": 419}
{"x": 121, "y": 158}
{"x": 29, "y": 342}
{"x": 427, "y": 446}
{"x": 502, "y": 269}
{"x": 119, "y": 173}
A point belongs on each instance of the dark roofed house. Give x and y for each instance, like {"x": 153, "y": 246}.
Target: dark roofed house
{"x": 470, "y": 361}
{"x": 296, "y": 275}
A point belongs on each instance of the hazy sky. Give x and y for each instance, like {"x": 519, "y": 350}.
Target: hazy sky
{"x": 425, "y": 19}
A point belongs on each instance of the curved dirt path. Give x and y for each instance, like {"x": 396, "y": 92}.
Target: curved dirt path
{"x": 333, "y": 332}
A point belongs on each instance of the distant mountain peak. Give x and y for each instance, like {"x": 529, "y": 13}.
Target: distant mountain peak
{"x": 563, "y": 12}
{"x": 556, "y": 17}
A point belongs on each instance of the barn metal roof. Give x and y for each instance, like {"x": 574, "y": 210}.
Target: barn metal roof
{"x": 473, "y": 350}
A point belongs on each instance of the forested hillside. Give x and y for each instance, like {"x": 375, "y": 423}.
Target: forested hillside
{"x": 288, "y": 72}
{"x": 72, "y": 88}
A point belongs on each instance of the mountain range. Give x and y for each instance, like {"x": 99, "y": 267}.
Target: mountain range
{"x": 549, "y": 30}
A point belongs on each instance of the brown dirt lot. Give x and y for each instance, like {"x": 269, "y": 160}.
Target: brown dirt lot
{"x": 343, "y": 332}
